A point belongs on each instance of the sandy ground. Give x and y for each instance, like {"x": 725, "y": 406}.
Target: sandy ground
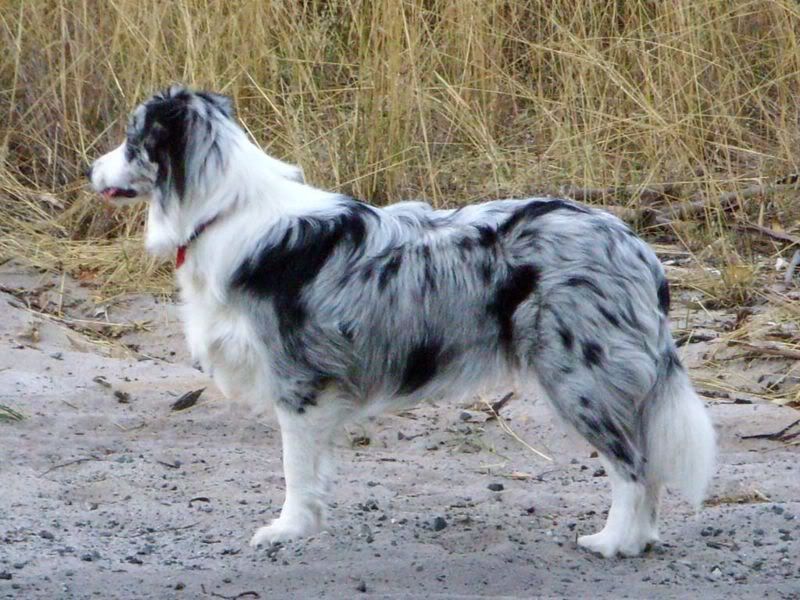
{"x": 108, "y": 493}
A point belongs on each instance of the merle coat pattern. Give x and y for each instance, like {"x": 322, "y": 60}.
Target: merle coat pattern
{"x": 332, "y": 309}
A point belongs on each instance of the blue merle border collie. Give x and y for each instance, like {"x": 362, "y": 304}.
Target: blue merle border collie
{"x": 333, "y": 310}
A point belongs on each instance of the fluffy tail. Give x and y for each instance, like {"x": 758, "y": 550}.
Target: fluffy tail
{"x": 679, "y": 438}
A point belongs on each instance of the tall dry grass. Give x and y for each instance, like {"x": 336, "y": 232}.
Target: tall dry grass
{"x": 451, "y": 100}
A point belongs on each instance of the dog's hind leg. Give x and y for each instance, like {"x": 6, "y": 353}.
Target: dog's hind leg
{"x": 596, "y": 383}
{"x": 632, "y": 519}
{"x": 307, "y": 435}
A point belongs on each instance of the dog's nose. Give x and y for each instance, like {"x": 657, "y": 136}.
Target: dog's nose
{"x": 88, "y": 172}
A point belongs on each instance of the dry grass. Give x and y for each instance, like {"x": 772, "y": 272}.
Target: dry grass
{"x": 451, "y": 100}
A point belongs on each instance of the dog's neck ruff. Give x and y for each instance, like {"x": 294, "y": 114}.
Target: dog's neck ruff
{"x": 180, "y": 256}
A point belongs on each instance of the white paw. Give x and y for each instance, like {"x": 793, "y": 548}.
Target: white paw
{"x": 609, "y": 544}
{"x": 602, "y": 543}
{"x": 284, "y": 529}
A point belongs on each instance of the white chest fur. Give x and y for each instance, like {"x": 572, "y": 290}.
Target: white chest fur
{"x": 224, "y": 341}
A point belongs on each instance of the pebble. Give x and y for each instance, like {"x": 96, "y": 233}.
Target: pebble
{"x": 438, "y": 523}
{"x": 46, "y": 535}
{"x": 369, "y": 505}
{"x": 496, "y": 487}
{"x": 5, "y": 575}
{"x": 366, "y": 533}
{"x": 361, "y": 587}
{"x": 601, "y": 472}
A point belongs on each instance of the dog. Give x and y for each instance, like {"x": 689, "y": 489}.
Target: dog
{"x": 333, "y": 310}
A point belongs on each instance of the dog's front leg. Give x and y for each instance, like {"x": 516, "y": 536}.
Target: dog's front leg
{"x": 307, "y": 436}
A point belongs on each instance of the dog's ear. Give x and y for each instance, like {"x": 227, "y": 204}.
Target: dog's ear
{"x": 165, "y": 140}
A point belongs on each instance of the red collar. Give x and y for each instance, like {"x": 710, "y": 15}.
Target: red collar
{"x": 180, "y": 256}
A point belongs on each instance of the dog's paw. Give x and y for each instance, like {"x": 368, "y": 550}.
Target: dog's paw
{"x": 608, "y": 544}
{"x": 600, "y": 543}
{"x": 283, "y": 530}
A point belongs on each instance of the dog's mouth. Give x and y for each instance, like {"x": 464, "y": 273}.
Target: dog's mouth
{"x": 113, "y": 192}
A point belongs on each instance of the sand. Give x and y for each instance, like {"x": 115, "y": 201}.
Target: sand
{"x": 109, "y": 493}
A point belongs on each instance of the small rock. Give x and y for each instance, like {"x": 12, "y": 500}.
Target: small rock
{"x": 44, "y": 534}
{"x": 601, "y": 472}
{"x": 778, "y": 510}
{"x": 438, "y": 523}
{"x": 465, "y": 416}
{"x": 5, "y": 575}
{"x": 57, "y": 355}
{"x": 496, "y": 487}
{"x": 361, "y": 587}
{"x": 180, "y": 585}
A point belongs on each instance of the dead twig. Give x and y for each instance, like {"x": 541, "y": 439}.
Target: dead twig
{"x": 250, "y": 594}
{"x": 9, "y": 414}
{"x": 767, "y": 232}
{"x": 769, "y": 349}
{"x": 493, "y": 409}
{"x": 727, "y": 200}
{"x": 505, "y": 426}
{"x": 165, "y": 530}
{"x": 779, "y": 436}
{"x": 188, "y": 400}
{"x": 649, "y": 193}
{"x": 77, "y": 461}
{"x": 693, "y": 338}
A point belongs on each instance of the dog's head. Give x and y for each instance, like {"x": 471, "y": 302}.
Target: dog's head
{"x": 175, "y": 142}
{"x": 164, "y": 134}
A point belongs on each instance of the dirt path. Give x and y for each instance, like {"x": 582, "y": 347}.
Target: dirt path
{"x": 108, "y": 493}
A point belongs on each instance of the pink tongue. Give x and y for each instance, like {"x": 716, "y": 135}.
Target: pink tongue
{"x": 110, "y": 192}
